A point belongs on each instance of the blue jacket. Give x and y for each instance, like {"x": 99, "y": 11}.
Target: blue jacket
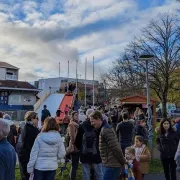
{"x": 7, "y": 160}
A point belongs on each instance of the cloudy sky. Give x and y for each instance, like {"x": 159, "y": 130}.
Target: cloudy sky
{"x": 35, "y": 35}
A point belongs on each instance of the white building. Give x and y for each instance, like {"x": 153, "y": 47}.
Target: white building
{"x": 8, "y": 72}
{"x": 14, "y": 94}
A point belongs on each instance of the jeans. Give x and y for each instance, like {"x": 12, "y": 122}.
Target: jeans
{"x": 111, "y": 173}
{"x": 169, "y": 166}
{"x": 98, "y": 170}
{"x": 74, "y": 165}
{"x": 44, "y": 175}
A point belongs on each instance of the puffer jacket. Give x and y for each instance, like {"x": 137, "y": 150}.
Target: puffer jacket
{"x": 110, "y": 149}
{"x": 47, "y": 148}
{"x": 167, "y": 145}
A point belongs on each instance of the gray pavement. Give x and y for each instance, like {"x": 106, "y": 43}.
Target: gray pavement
{"x": 158, "y": 177}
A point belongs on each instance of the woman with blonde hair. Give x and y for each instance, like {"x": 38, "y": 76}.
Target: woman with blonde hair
{"x": 29, "y": 134}
{"x": 72, "y": 150}
{"x": 47, "y": 149}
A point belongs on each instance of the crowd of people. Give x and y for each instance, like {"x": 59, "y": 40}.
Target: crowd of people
{"x": 108, "y": 143}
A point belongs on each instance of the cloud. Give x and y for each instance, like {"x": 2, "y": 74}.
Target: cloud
{"x": 37, "y": 35}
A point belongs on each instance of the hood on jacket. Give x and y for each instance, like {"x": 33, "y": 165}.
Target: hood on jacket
{"x": 50, "y": 138}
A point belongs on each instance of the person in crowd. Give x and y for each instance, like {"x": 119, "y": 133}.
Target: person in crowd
{"x": 140, "y": 129}
{"x": 87, "y": 141}
{"x": 137, "y": 113}
{"x": 177, "y": 124}
{"x": 7, "y": 154}
{"x": 66, "y": 121}
{"x": 130, "y": 155}
{"x": 125, "y": 130}
{"x": 110, "y": 150}
{"x": 12, "y": 136}
{"x": 72, "y": 150}
{"x": 102, "y": 110}
{"x": 167, "y": 143}
{"x": 177, "y": 158}
{"x": 82, "y": 116}
{"x": 143, "y": 154}
{"x": 114, "y": 117}
{"x": 29, "y": 134}
{"x": 1, "y": 115}
{"x": 19, "y": 142}
{"x": 47, "y": 149}
{"x": 45, "y": 113}
{"x": 57, "y": 117}
{"x": 66, "y": 109}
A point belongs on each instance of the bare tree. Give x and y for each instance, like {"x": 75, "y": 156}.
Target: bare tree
{"x": 161, "y": 38}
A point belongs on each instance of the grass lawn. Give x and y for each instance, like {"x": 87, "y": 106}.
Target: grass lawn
{"x": 155, "y": 167}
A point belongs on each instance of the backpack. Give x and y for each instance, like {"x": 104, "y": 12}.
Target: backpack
{"x": 89, "y": 142}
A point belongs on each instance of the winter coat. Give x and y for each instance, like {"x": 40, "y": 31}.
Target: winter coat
{"x": 47, "y": 148}
{"x": 125, "y": 130}
{"x": 167, "y": 145}
{"x": 109, "y": 147}
{"x": 72, "y": 131}
{"x": 45, "y": 113}
{"x": 29, "y": 134}
{"x": 11, "y": 136}
{"x": 7, "y": 160}
{"x": 89, "y": 159}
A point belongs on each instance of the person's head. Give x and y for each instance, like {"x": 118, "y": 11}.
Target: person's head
{"x": 142, "y": 123}
{"x": 1, "y": 114}
{"x": 58, "y": 112}
{"x": 50, "y": 124}
{"x": 88, "y": 112}
{"x": 137, "y": 108}
{"x": 7, "y": 117}
{"x": 96, "y": 119}
{"x": 45, "y": 107}
{"x": 74, "y": 116}
{"x": 32, "y": 117}
{"x": 4, "y": 129}
{"x": 125, "y": 116}
{"x": 165, "y": 126}
{"x": 130, "y": 153}
{"x": 138, "y": 141}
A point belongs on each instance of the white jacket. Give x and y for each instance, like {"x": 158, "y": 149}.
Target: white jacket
{"x": 47, "y": 149}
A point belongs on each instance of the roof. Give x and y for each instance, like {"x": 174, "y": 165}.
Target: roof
{"x": 137, "y": 99}
{"x": 6, "y": 65}
{"x": 17, "y": 85}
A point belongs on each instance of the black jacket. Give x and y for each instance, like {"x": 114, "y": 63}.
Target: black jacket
{"x": 29, "y": 135}
{"x": 125, "y": 132}
{"x": 45, "y": 114}
{"x": 92, "y": 159}
{"x": 167, "y": 145}
{"x": 141, "y": 131}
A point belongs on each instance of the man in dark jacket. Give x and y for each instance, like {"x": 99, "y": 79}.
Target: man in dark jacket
{"x": 45, "y": 113}
{"x": 7, "y": 154}
{"x": 110, "y": 150}
{"x": 88, "y": 143}
{"x": 125, "y": 130}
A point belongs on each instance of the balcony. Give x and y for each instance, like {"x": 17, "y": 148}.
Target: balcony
{"x": 11, "y": 77}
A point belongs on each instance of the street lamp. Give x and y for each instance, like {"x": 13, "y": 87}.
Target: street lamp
{"x": 148, "y": 58}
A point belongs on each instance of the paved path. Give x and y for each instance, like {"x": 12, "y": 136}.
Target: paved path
{"x": 158, "y": 177}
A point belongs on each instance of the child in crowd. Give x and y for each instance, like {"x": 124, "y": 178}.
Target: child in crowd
{"x": 142, "y": 154}
{"x": 130, "y": 155}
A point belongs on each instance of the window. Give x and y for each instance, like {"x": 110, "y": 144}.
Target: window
{"x": 9, "y": 73}
{"x": 3, "y": 98}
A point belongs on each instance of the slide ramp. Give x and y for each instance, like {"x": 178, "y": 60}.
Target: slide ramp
{"x": 67, "y": 100}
